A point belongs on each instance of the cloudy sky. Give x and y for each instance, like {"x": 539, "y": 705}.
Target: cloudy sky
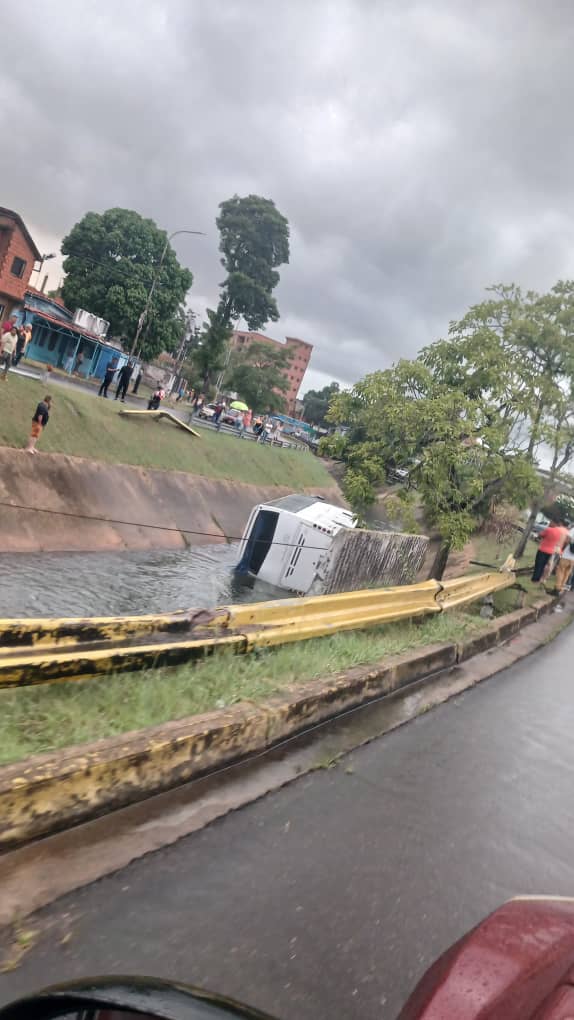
{"x": 420, "y": 150}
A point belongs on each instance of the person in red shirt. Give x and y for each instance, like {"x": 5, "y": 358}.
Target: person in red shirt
{"x": 552, "y": 540}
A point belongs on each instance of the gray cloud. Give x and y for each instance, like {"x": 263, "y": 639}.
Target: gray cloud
{"x": 421, "y": 150}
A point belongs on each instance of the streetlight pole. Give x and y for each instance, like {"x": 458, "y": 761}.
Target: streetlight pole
{"x": 150, "y": 294}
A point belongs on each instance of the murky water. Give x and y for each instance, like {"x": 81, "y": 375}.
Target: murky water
{"x": 78, "y": 584}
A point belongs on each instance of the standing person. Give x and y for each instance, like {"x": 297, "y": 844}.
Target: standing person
{"x": 107, "y": 380}
{"x": 20, "y": 346}
{"x": 28, "y": 336}
{"x": 219, "y": 409}
{"x": 8, "y": 346}
{"x": 565, "y": 563}
{"x": 551, "y": 540}
{"x": 123, "y": 381}
{"x": 79, "y": 362}
{"x": 139, "y": 375}
{"x": 39, "y": 422}
{"x": 247, "y": 419}
{"x": 266, "y": 430}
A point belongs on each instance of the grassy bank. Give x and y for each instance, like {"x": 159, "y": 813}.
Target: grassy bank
{"x": 35, "y": 720}
{"x": 83, "y": 425}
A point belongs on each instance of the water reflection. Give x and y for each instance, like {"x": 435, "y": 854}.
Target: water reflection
{"x": 78, "y": 584}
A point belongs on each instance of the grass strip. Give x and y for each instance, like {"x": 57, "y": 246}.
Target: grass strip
{"x": 35, "y": 720}
{"x": 83, "y": 425}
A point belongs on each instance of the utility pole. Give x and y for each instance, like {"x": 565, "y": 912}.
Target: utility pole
{"x": 146, "y": 307}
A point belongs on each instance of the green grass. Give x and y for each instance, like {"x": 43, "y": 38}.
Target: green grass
{"x": 82, "y": 425}
{"x": 488, "y": 550}
{"x": 35, "y": 720}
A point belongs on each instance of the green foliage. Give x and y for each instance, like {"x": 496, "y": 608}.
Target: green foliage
{"x": 457, "y": 448}
{"x": 515, "y": 353}
{"x": 259, "y": 376}
{"x": 335, "y": 445}
{"x": 111, "y": 260}
{"x": 254, "y": 241}
{"x": 209, "y": 356}
{"x": 316, "y": 404}
{"x": 401, "y": 508}
{"x": 560, "y": 509}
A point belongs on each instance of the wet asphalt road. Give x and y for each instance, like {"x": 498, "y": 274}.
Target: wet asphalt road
{"x": 330, "y": 897}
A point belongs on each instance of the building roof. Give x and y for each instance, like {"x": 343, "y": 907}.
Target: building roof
{"x": 46, "y": 297}
{"x": 20, "y": 222}
{"x": 71, "y": 326}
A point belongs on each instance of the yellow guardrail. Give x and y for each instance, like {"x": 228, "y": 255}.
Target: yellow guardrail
{"x": 37, "y": 651}
{"x": 158, "y": 415}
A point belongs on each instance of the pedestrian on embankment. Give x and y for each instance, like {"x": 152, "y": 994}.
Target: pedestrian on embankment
{"x": 139, "y": 377}
{"x": 7, "y": 349}
{"x": 246, "y": 425}
{"x": 39, "y": 422}
{"x": 107, "y": 380}
{"x": 552, "y": 540}
{"x": 123, "y": 381}
{"x": 20, "y": 346}
{"x": 565, "y": 563}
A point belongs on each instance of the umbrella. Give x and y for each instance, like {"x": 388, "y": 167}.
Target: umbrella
{"x": 238, "y": 405}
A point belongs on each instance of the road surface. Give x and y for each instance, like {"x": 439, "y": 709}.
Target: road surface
{"x": 330, "y": 897}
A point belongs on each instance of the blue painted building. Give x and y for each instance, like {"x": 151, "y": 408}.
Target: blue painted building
{"x": 57, "y": 340}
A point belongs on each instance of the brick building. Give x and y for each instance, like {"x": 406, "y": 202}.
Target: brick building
{"x": 300, "y": 358}
{"x": 18, "y": 253}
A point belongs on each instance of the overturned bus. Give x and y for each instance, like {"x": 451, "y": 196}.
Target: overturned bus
{"x": 309, "y": 547}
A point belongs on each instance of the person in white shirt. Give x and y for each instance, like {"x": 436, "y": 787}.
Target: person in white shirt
{"x": 8, "y": 343}
{"x": 565, "y": 563}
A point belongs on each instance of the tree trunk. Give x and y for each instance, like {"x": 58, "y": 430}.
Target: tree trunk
{"x": 439, "y": 566}
{"x": 523, "y": 540}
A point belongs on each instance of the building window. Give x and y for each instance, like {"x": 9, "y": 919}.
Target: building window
{"x": 18, "y": 267}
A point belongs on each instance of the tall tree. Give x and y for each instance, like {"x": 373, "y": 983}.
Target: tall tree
{"x": 259, "y": 376}
{"x": 457, "y": 449}
{"x": 111, "y": 260}
{"x": 316, "y": 404}
{"x": 515, "y": 352}
{"x": 254, "y": 242}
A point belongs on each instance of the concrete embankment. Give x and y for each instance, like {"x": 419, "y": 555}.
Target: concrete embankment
{"x": 179, "y": 509}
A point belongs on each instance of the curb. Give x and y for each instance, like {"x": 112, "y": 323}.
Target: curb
{"x": 48, "y": 793}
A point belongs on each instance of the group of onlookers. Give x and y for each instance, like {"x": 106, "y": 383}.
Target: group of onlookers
{"x": 555, "y": 551}
{"x": 14, "y": 343}
{"x": 124, "y": 376}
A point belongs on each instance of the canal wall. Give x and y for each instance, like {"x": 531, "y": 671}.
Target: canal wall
{"x": 170, "y": 509}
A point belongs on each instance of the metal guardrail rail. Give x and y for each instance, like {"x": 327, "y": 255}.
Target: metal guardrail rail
{"x": 46, "y": 650}
{"x": 158, "y": 415}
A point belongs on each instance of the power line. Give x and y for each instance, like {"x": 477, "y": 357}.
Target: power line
{"x": 154, "y": 527}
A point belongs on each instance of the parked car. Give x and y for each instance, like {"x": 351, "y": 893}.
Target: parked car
{"x": 230, "y": 416}
{"x": 207, "y": 411}
{"x": 539, "y": 526}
